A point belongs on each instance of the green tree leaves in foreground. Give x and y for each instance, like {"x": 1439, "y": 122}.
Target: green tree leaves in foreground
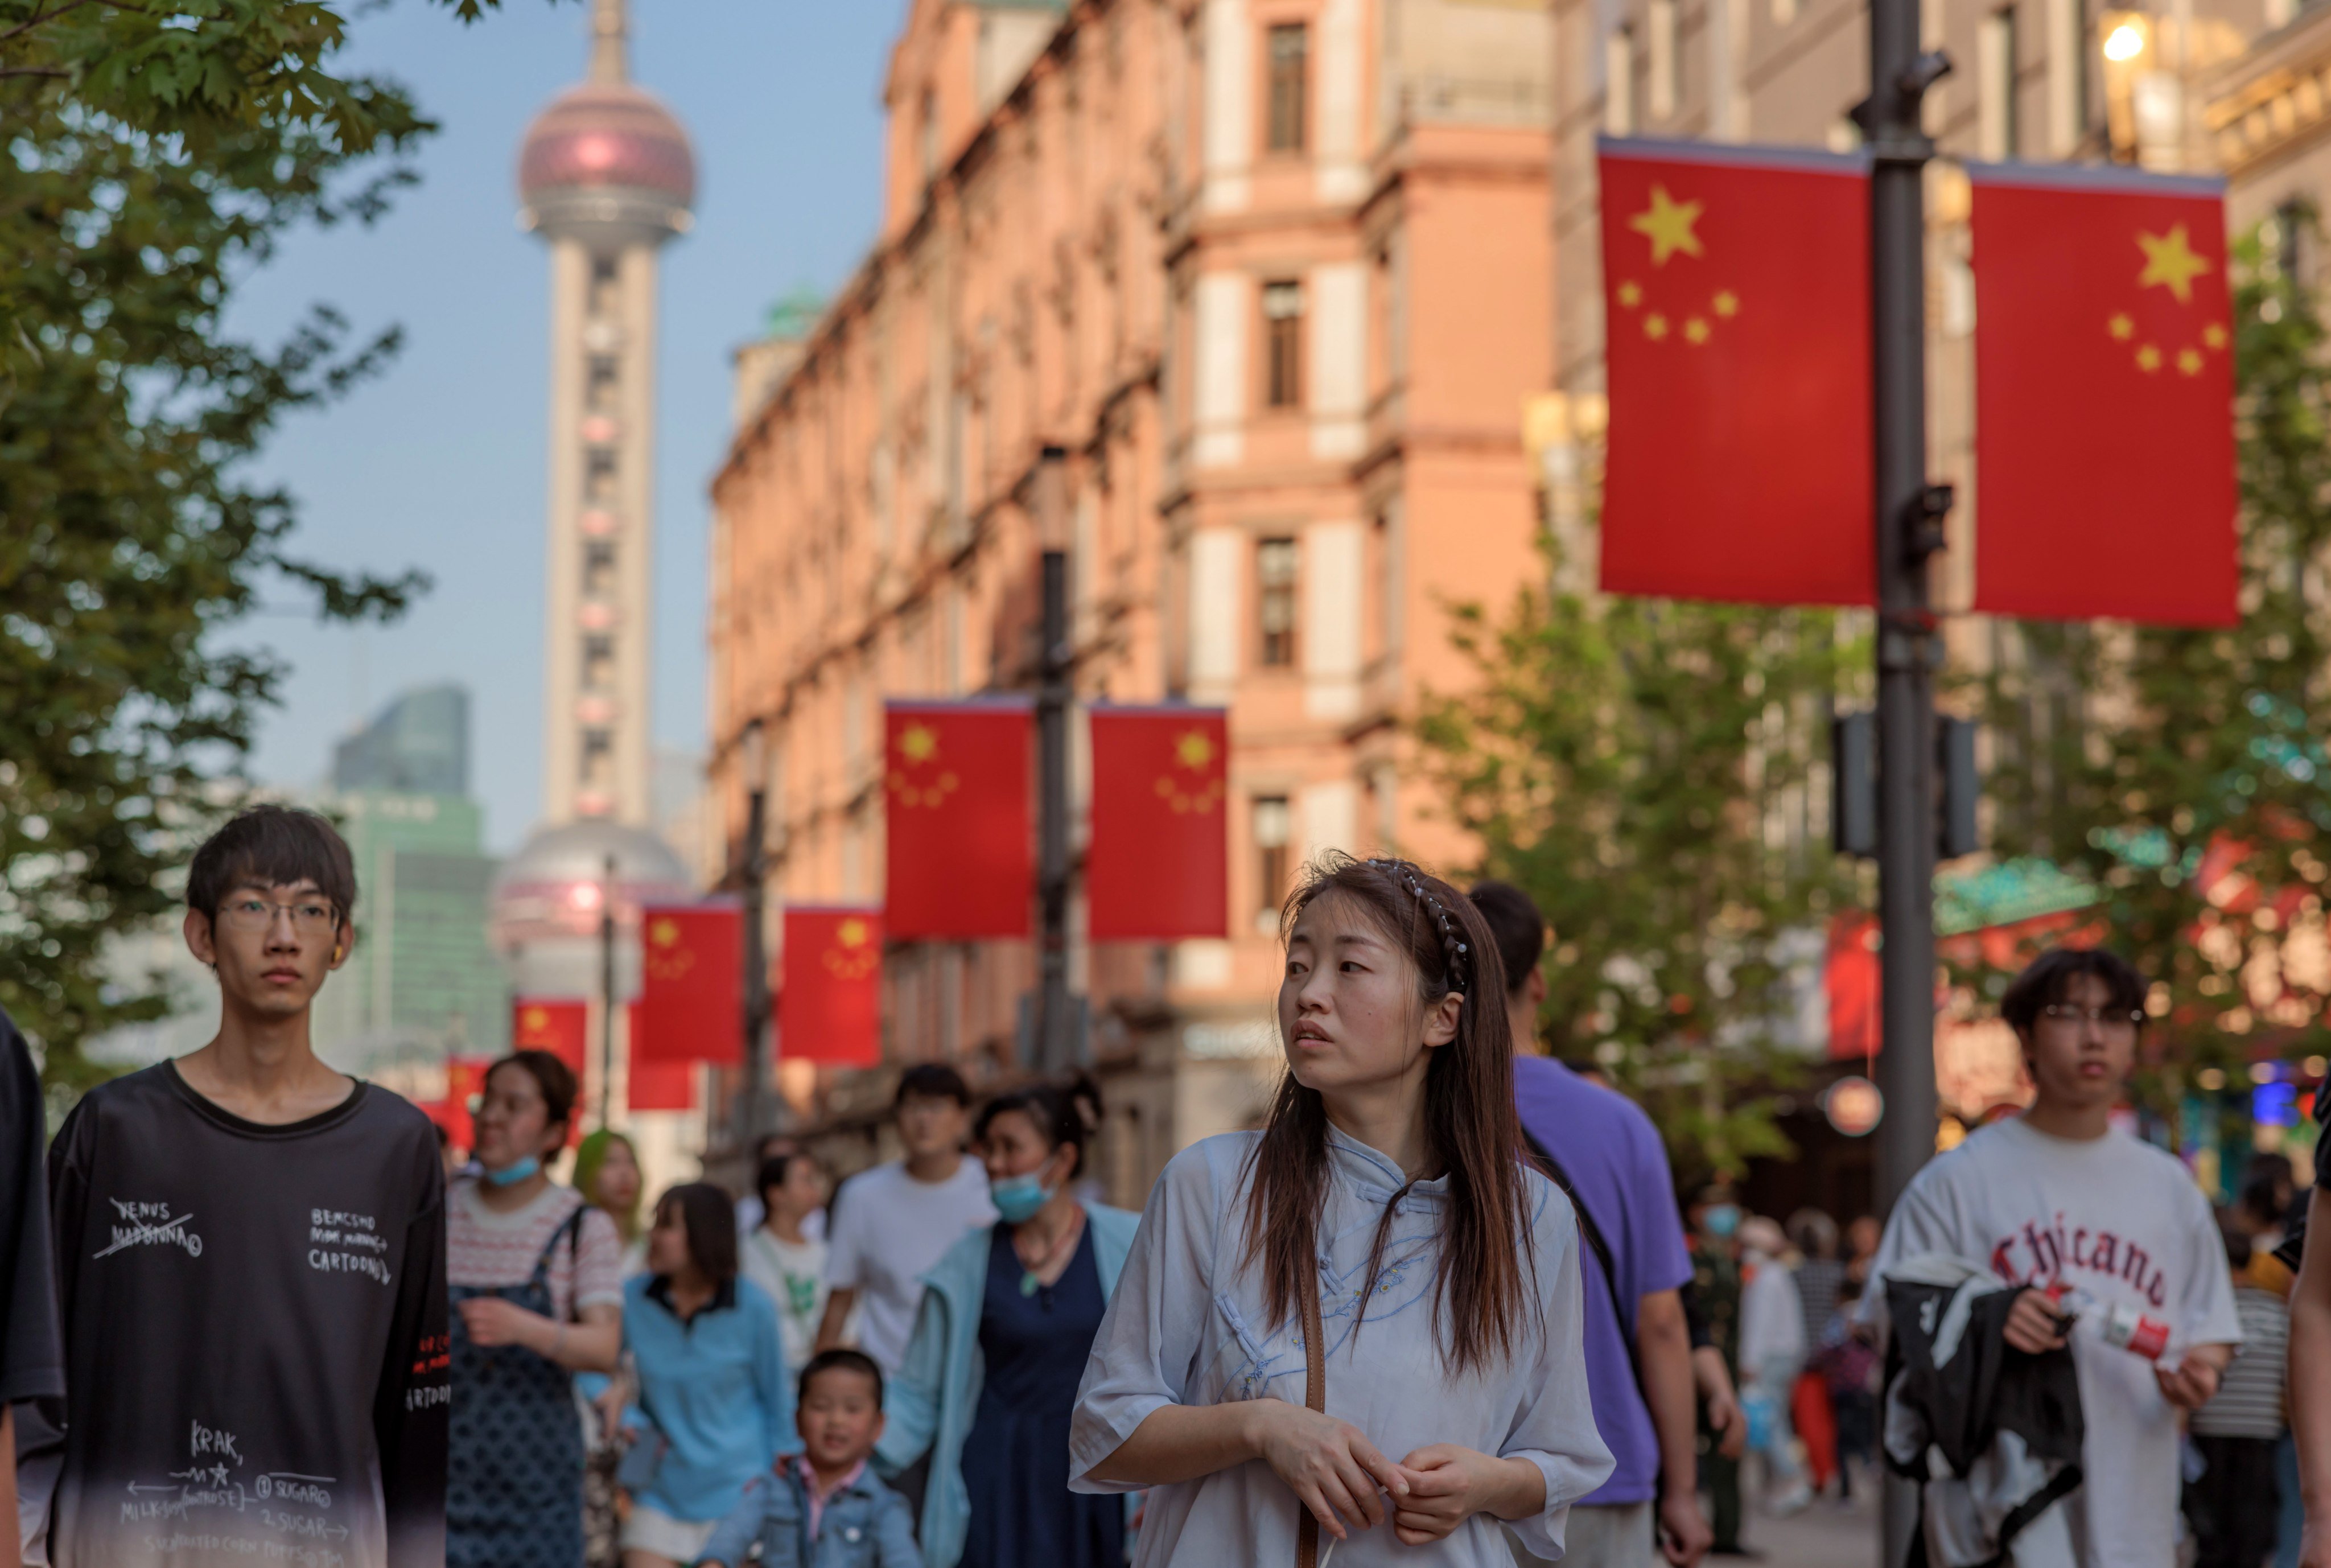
{"x": 154, "y": 156}
{"x": 2183, "y": 771}
{"x": 1647, "y": 771}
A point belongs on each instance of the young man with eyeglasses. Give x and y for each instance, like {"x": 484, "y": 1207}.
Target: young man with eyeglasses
{"x": 251, "y": 1264}
{"x": 2056, "y": 1197}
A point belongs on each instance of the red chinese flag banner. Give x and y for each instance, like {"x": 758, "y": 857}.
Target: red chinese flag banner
{"x": 465, "y": 1079}
{"x": 955, "y": 778}
{"x": 691, "y": 985}
{"x": 1158, "y": 866}
{"x": 1736, "y": 318}
{"x": 2104, "y": 396}
{"x": 656, "y": 1086}
{"x": 561, "y": 1028}
{"x": 830, "y": 1005}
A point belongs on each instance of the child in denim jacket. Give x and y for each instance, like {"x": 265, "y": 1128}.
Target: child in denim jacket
{"x": 824, "y": 1507}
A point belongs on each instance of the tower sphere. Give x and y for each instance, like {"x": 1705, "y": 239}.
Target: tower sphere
{"x": 606, "y": 161}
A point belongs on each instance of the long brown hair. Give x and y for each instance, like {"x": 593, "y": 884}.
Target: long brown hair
{"x": 1472, "y": 1135}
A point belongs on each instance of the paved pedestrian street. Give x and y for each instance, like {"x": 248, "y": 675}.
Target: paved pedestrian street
{"x": 1827, "y": 1534}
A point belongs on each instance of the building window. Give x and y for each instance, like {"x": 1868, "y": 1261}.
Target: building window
{"x": 1273, "y": 843}
{"x": 1282, "y": 339}
{"x": 927, "y": 135}
{"x": 1619, "y": 81}
{"x": 598, "y": 569}
{"x": 598, "y": 759}
{"x": 1288, "y": 126}
{"x": 1275, "y": 563}
{"x": 1664, "y": 61}
{"x": 1996, "y": 136}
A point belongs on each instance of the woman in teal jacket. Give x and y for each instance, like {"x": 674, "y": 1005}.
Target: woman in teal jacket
{"x": 990, "y": 1380}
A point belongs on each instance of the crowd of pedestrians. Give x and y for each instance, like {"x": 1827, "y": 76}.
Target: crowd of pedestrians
{"x": 1442, "y": 1306}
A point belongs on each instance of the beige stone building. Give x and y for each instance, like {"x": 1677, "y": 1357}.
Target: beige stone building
{"x": 1274, "y": 274}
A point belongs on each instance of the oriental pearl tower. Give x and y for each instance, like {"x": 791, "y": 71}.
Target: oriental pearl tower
{"x": 605, "y": 177}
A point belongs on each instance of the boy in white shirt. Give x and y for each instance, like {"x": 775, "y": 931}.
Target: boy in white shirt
{"x": 2057, "y": 1196}
{"x": 890, "y": 1224}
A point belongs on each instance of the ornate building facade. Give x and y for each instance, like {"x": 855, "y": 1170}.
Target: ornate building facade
{"x": 1273, "y": 273}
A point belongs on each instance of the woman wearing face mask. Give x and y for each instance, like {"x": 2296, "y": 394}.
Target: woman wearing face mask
{"x": 536, "y": 1279}
{"x": 1000, "y": 1340}
{"x": 1358, "y": 1331}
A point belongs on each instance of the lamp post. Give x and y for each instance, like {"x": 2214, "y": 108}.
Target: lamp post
{"x": 1908, "y": 516}
{"x": 753, "y": 759}
{"x": 1055, "y": 1043}
{"x": 606, "y": 990}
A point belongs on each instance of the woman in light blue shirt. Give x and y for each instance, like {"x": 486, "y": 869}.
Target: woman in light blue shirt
{"x": 715, "y": 1407}
{"x": 990, "y": 1378}
{"x": 1388, "y": 1195}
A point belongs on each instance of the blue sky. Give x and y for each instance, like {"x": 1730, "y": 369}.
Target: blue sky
{"x": 440, "y": 464}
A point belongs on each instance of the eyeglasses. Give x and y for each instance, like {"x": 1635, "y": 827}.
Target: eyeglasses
{"x": 2113, "y": 1019}
{"x": 309, "y": 918}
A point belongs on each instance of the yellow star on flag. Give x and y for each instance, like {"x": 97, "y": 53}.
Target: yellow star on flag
{"x": 1667, "y": 223}
{"x": 2121, "y": 326}
{"x": 2170, "y": 261}
{"x": 1194, "y": 750}
{"x": 1726, "y": 303}
{"x": 2189, "y": 361}
{"x": 1696, "y": 330}
{"x": 851, "y": 934}
{"x": 1655, "y": 325}
{"x": 2214, "y": 336}
{"x": 663, "y": 933}
{"x": 918, "y": 743}
{"x": 2148, "y": 358}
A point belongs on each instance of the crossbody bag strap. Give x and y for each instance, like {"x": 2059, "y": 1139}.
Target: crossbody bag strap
{"x": 1314, "y": 1397}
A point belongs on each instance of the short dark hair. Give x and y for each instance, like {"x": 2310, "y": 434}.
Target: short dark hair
{"x": 2239, "y": 1246}
{"x": 772, "y": 1171}
{"x": 839, "y": 1360}
{"x": 708, "y": 1215}
{"x": 769, "y": 1145}
{"x": 272, "y": 847}
{"x": 1515, "y": 924}
{"x": 2046, "y": 979}
{"x": 932, "y": 1080}
{"x": 553, "y": 1076}
{"x": 1050, "y": 1108}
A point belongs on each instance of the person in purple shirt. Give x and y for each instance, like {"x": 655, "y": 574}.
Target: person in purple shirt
{"x": 1639, "y": 1371}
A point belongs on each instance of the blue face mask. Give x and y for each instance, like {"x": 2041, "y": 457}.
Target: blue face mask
{"x": 1017, "y": 1199}
{"x": 1720, "y": 1220}
{"x": 511, "y": 1175}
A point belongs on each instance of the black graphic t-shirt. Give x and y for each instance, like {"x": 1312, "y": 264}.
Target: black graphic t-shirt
{"x": 32, "y": 1361}
{"x": 255, "y": 1334}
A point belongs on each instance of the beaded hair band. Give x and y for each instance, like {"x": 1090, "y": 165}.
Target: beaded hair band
{"x": 1453, "y": 951}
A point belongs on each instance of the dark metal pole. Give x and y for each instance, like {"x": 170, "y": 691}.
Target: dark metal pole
{"x": 756, "y": 969}
{"x": 1908, "y": 516}
{"x": 1054, "y": 1048}
{"x": 606, "y": 991}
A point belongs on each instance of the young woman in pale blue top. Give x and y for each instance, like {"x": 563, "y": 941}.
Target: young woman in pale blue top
{"x": 990, "y": 1377}
{"x": 1390, "y": 1178}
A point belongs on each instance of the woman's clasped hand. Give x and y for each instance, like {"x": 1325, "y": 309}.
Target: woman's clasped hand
{"x": 1339, "y": 1476}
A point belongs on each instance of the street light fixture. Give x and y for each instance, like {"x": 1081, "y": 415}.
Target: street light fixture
{"x": 753, "y": 765}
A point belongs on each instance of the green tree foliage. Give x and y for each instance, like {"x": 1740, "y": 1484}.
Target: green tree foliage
{"x": 1647, "y": 771}
{"x": 156, "y": 154}
{"x": 2182, "y": 770}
